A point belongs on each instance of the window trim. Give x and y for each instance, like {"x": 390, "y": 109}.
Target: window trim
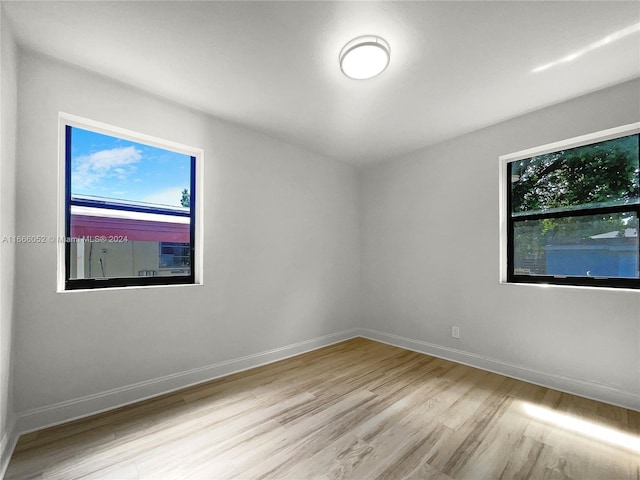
{"x": 506, "y": 221}
{"x": 66, "y": 121}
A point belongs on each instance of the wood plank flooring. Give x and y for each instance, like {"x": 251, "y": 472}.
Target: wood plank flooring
{"x": 355, "y": 410}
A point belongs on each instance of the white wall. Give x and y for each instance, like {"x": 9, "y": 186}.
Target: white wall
{"x": 430, "y": 259}
{"x": 286, "y": 240}
{"x": 281, "y": 255}
{"x": 8, "y": 94}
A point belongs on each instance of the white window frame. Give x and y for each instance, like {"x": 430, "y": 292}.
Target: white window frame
{"x": 504, "y": 160}
{"x": 66, "y": 119}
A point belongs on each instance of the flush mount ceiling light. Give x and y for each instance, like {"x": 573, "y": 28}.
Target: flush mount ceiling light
{"x": 365, "y": 57}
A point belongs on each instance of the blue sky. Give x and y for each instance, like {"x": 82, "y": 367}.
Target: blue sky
{"x": 111, "y": 167}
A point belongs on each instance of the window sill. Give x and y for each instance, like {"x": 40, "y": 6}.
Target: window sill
{"x": 131, "y": 287}
{"x": 579, "y": 287}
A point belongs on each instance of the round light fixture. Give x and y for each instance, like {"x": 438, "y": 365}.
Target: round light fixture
{"x": 365, "y": 57}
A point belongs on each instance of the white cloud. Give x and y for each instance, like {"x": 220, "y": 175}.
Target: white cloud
{"x": 168, "y": 196}
{"x": 91, "y": 169}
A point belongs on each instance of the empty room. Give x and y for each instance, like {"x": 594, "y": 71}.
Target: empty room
{"x": 319, "y": 240}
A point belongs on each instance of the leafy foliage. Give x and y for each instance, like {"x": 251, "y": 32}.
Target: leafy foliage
{"x": 604, "y": 173}
{"x": 185, "y": 201}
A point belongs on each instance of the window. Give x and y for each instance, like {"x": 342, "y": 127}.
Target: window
{"x": 175, "y": 256}
{"x": 129, "y": 209}
{"x": 572, "y": 211}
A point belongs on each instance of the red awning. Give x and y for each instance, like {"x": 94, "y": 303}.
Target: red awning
{"x": 133, "y": 229}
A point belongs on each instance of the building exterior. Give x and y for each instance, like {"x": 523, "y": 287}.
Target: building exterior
{"x": 116, "y": 238}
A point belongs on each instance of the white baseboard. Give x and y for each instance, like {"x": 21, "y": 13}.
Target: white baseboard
{"x": 76, "y": 408}
{"x": 73, "y": 409}
{"x": 594, "y": 391}
{"x": 7, "y": 446}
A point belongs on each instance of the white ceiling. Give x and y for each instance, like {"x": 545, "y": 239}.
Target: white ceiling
{"x": 273, "y": 66}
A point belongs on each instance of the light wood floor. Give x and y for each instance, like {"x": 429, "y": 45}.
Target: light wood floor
{"x": 358, "y": 409}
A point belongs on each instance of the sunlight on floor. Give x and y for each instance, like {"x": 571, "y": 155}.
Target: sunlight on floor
{"x": 584, "y": 427}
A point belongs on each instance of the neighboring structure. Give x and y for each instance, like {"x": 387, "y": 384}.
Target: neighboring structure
{"x": 607, "y": 254}
{"x": 113, "y": 238}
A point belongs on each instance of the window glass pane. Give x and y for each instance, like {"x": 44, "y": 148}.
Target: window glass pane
{"x": 175, "y": 256}
{"x": 584, "y": 246}
{"x": 596, "y": 175}
{"x": 128, "y": 200}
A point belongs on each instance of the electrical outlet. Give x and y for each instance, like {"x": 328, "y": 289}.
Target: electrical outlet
{"x": 455, "y": 331}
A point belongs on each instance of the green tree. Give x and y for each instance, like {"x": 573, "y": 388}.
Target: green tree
{"x": 185, "y": 201}
{"x": 605, "y": 173}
